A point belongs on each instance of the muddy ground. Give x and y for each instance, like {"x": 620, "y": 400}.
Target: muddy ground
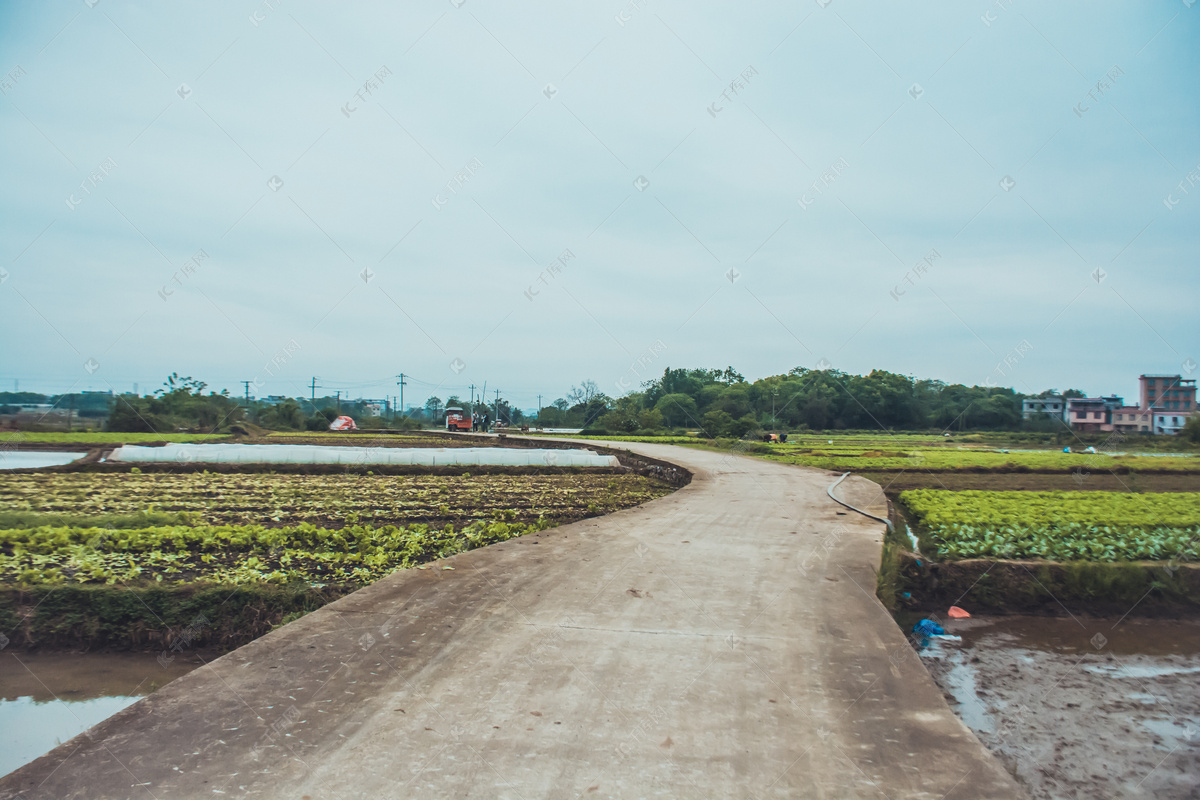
{"x": 1080, "y": 707}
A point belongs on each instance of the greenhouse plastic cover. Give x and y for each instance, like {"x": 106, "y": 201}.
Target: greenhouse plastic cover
{"x": 317, "y": 454}
{"x": 26, "y": 459}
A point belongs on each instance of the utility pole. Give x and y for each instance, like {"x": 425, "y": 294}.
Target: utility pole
{"x": 401, "y": 383}
{"x": 539, "y": 408}
{"x": 70, "y": 410}
{"x": 339, "y": 401}
{"x": 472, "y": 387}
{"x": 312, "y": 395}
{"x": 774, "y": 394}
{"x": 247, "y": 385}
{"x": 497, "y": 406}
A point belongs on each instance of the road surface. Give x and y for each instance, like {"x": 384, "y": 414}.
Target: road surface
{"x": 724, "y": 641}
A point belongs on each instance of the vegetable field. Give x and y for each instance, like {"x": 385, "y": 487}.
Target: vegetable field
{"x": 234, "y": 554}
{"x": 1059, "y": 526}
{"x": 134, "y": 529}
{"x": 331, "y": 500}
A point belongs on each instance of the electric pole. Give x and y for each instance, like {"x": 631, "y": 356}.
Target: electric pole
{"x": 312, "y": 396}
{"x": 539, "y": 408}
{"x": 497, "y": 406}
{"x": 472, "y": 387}
{"x": 401, "y": 383}
{"x": 339, "y": 401}
{"x": 247, "y": 385}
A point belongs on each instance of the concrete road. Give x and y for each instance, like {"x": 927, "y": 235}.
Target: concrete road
{"x": 724, "y": 641}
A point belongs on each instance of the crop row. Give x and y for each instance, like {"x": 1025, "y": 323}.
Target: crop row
{"x": 1060, "y": 526}
{"x": 331, "y": 499}
{"x": 235, "y": 554}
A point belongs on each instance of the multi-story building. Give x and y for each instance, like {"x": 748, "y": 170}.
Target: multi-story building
{"x": 1091, "y": 414}
{"x": 1169, "y": 399}
{"x": 1054, "y": 405}
{"x": 1170, "y": 393}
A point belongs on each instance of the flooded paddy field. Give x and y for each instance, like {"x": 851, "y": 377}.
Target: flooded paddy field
{"x": 47, "y": 698}
{"x": 1079, "y": 706}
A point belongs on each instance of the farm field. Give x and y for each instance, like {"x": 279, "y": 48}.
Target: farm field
{"x": 243, "y": 528}
{"x": 326, "y": 500}
{"x": 1058, "y": 526}
{"x": 912, "y": 452}
{"x": 926, "y": 459}
{"x": 22, "y": 438}
{"x": 896, "y": 482}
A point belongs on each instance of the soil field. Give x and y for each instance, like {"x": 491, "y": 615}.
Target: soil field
{"x": 895, "y": 482}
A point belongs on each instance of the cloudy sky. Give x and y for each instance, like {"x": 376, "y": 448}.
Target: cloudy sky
{"x": 535, "y": 194}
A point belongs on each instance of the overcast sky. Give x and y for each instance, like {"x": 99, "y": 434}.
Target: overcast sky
{"x": 540, "y": 193}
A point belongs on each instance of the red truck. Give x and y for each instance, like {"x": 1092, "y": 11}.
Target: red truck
{"x": 457, "y": 419}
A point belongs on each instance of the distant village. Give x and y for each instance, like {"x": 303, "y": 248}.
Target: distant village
{"x": 1164, "y": 404}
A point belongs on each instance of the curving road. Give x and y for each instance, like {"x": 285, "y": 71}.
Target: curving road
{"x": 724, "y": 641}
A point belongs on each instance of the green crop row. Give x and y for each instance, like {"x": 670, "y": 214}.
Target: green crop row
{"x": 1059, "y": 526}
{"x": 330, "y": 500}
{"x": 234, "y": 554}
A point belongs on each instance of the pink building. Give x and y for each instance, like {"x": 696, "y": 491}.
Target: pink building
{"x": 1091, "y": 414}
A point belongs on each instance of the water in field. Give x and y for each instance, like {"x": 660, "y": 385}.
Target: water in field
{"x": 35, "y": 459}
{"x": 48, "y": 698}
{"x": 1079, "y": 706}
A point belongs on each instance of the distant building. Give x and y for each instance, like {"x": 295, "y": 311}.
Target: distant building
{"x": 1054, "y": 405}
{"x": 1171, "y": 393}
{"x": 1169, "y": 422}
{"x": 1091, "y": 414}
{"x": 1132, "y": 419}
{"x": 1169, "y": 399}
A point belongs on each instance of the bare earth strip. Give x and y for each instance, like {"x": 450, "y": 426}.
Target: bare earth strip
{"x": 724, "y": 641}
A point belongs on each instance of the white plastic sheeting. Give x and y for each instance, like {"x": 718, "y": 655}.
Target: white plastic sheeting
{"x": 317, "y": 454}
{"x": 30, "y": 459}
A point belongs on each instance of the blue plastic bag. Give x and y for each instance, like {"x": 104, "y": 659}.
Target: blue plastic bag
{"x": 928, "y": 627}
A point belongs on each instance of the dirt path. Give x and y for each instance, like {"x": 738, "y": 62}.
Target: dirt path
{"x": 723, "y": 641}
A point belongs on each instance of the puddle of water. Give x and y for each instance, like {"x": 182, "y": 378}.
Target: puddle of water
{"x": 960, "y": 681}
{"x": 1173, "y": 732}
{"x": 29, "y": 729}
{"x": 1134, "y": 671}
{"x": 35, "y": 459}
{"x": 47, "y": 698}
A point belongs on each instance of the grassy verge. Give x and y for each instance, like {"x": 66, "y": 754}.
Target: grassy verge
{"x": 153, "y": 617}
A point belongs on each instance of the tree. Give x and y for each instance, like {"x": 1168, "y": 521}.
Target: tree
{"x": 716, "y": 423}
{"x": 433, "y": 408}
{"x": 180, "y": 405}
{"x": 1191, "y": 429}
{"x": 583, "y": 393}
{"x": 678, "y": 410}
